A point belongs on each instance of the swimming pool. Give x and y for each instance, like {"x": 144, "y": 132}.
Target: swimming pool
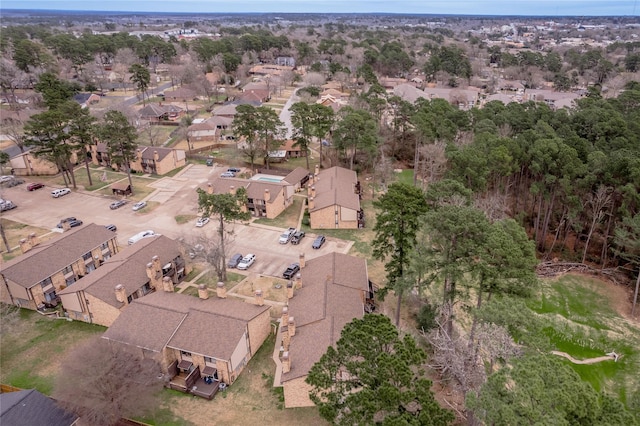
{"x": 268, "y": 178}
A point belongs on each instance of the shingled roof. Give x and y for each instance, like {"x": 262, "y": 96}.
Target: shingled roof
{"x": 52, "y": 256}
{"x": 29, "y": 407}
{"x": 128, "y": 268}
{"x": 332, "y": 294}
{"x": 336, "y": 186}
{"x": 184, "y": 322}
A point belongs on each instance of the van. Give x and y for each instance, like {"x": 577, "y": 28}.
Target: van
{"x": 60, "y": 192}
{"x": 140, "y": 235}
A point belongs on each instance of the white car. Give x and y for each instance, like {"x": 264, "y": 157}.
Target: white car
{"x": 286, "y": 235}
{"x": 141, "y": 235}
{"x": 139, "y": 205}
{"x": 247, "y": 261}
{"x": 60, "y": 192}
{"x": 202, "y": 221}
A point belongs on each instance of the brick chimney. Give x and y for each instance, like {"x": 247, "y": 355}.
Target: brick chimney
{"x": 298, "y": 281}
{"x": 203, "y": 292}
{"x": 311, "y": 203}
{"x": 301, "y": 260}
{"x": 292, "y": 327}
{"x": 156, "y": 156}
{"x": 310, "y": 182}
{"x": 259, "y": 298}
{"x": 139, "y": 154}
{"x": 317, "y": 170}
{"x": 209, "y": 189}
{"x": 232, "y": 190}
{"x": 286, "y": 338}
{"x": 121, "y": 294}
{"x": 25, "y": 245}
{"x": 267, "y": 197}
{"x": 313, "y": 191}
{"x": 167, "y": 284}
{"x": 286, "y": 362}
{"x": 151, "y": 273}
{"x": 284, "y": 320}
{"x": 289, "y": 290}
{"x": 221, "y": 291}
{"x": 156, "y": 264}
{"x": 33, "y": 239}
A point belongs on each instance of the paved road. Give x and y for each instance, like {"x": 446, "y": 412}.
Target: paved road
{"x": 175, "y": 196}
{"x": 285, "y": 114}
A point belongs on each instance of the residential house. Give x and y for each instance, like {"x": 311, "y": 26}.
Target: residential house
{"x": 465, "y": 99}
{"x": 227, "y": 110}
{"x": 156, "y": 113}
{"x": 292, "y": 151}
{"x": 86, "y": 99}
{"x": 181, "y": 94}
{"x": 287, "y": 61}
{"x": 149, "y": 159}
{"x": 200, "y": 343}
{"x": 269, "y": 69}
{"x": 329, "y": 292}
{"x": 334, "y": 199}
{"x": 264, "y": 199}
{"x": 29, "y": 408}
{"x": 202, "y": 131}
{"x": 158, "y": 160}
{"x": 27, "y": 164}
{"x": 149, "y": 265}
{"x": 554, "y": 99}
{"x": 34, "y": 279}
{"x": 390, "y": 82}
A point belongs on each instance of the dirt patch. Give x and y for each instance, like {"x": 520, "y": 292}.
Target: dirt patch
{"x": 272, "y": 288}
{"x": 586, "y": 361}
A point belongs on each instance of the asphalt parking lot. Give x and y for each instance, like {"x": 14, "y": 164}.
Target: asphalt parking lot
{"x": 176, "y": 196}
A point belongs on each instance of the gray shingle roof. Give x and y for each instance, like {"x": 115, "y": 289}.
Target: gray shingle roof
{"x": 56, "y": 254}
{"x": 30, "y": 408}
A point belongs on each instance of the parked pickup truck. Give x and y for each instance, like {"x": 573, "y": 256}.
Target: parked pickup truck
{"x": 291, "y": 271}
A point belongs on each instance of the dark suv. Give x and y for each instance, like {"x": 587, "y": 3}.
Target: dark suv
{"x": 318, "y": 242}
{"x": 235, "y": 259}
{"x": 297, "y": 237}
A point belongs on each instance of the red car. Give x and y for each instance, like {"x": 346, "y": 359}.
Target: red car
{"x": 35, "y": 185}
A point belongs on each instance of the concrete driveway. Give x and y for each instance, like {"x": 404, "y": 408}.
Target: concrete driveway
{"x": 177, "y": 196}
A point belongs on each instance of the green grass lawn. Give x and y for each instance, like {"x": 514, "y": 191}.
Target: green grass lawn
{"x": 577, "y": 318}
{"x": 33, "y": 348}
{"x": 289, "y": 217}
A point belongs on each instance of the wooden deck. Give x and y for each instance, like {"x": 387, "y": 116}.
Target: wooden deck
{"x": 194, "y": 383}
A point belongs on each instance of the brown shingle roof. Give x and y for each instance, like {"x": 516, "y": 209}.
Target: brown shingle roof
{"x": 211, "y": 327}
{"x": 255, "y": 189}
{"x": 145, "y": 326}
{"x": 330, "y": 297}
{"x": 148, "y": 152}
{"x": 336, "y": 186}
{"x": 208, "y": 334}
{"x": 56, "y": 254}
{"x": 128, "y": 267}
{"x": 296, "y": 176}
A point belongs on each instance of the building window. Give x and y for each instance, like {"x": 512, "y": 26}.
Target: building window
{"x": 185, "y": 353}
{"x": 209, "y": 360}
{"x": 87, "y": 256}
{"x": 67, "y": 270}
{"x": 70, "y": 280}
{"x": 104, "y": 246}
{"x": 46, "y": 282}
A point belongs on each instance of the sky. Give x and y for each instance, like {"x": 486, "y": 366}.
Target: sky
{"x": 466, "y": 7}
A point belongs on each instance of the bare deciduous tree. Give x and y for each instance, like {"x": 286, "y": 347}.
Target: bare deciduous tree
{"x": 314, "y": 79}
{"x": 103, "y": 382}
